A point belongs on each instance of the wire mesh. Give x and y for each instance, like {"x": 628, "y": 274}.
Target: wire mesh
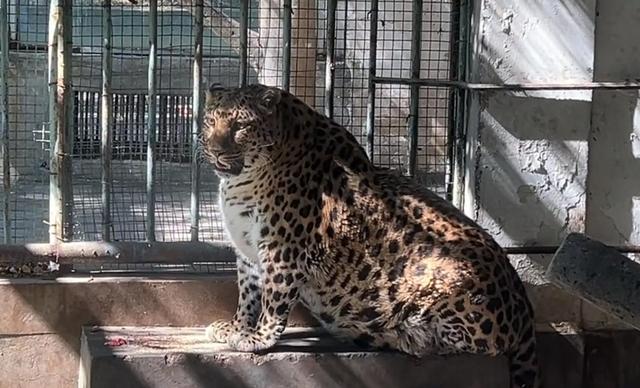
{"x": 265, "y": 41}
{"x": 130, "y": 108}
{"x": 351, "y": 74}
{"x": 28, "y": 121}
{"x": 176, "y": 36}
{"x": 393, "y": 101}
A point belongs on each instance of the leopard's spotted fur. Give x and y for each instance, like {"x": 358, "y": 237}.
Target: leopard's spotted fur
{"x": 374, "y": 256}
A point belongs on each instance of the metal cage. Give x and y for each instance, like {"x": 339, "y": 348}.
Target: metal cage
{"x": 101, "y": 105}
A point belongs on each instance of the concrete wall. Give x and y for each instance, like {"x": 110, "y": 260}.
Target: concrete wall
{"x": 41, "y": 324}
{"x": 548, "y": 163}
{"x": 613, "y": 201}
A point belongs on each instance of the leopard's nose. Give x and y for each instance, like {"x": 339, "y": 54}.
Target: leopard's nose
{"x": 223, "y": 142}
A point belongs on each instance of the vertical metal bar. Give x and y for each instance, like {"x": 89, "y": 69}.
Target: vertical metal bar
{"x": 329, "y": 72}
{"x": 66, "y": 142}
{"x": 106, "y": 119}
{"x": 414, "y": 119}
{"x": 197, "y": 120}
{"x": 454, "y": 100}
{"x": 244, "y": 40}
{"x": 52, "y": 60}
{"x": 151, "y": 124}
{"x": 371, "y": 92}
{"x": 15, "y": 19}
{"x": 52, "y": 52}
{"x": 286, "y": 44}
{"x": 457, "y": 136}
{"x": 4, "y": 119}
{"x": 60, "y": 182}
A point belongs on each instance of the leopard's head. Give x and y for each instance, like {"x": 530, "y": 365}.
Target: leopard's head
{"x": 239, "y": 125}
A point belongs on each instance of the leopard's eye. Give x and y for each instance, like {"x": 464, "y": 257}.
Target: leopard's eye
{"x": 208, "y": 121}
{"x": 240, "y": 134}
{"x": 239, "y": 126}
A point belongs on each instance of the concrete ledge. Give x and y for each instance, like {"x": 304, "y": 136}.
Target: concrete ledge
{"x": 42, "y": 319}
{"x": 598, "y": 274}
{"x": 182, "y": 358}
{"x": 64, "y": 305}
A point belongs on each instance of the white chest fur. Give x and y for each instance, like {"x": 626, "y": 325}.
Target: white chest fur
{"x": 240, "y": 218}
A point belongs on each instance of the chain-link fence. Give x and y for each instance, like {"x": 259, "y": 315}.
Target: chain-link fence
{"x": 287, "y": 45}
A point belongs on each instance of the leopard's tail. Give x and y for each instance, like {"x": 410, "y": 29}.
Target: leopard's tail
{"x": 523, "y": 362}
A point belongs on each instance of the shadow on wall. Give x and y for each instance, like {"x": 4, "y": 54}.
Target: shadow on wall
{"x": 533, "y": 165}
{"x": 66, "y": 327}
{"x": 614, "y": 167}
{"x": 534, "y": 146}
{"x": 613, "y": 205}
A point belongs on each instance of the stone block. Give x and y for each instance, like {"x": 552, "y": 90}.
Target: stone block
{"x": 600, "y": 275}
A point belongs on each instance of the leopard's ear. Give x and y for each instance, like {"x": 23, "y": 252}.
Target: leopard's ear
{"x": 268, "y": 99}
{"x": 213, "y": 94}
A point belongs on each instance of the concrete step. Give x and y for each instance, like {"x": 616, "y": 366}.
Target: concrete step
{"x": 127, "y": 357}
{"x": 600, "y": 275}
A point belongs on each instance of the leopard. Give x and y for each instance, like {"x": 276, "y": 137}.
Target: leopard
{"x": 377, "y": 258}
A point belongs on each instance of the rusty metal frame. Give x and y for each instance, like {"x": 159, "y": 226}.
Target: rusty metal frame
{"x": 97, "y": 252}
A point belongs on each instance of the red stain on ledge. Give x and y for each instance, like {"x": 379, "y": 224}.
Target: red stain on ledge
{"x": 116, "y": 342}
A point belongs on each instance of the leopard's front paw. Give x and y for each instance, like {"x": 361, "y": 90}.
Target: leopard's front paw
{"x": 250, "y": 342}
{"x": 220, "y": 331}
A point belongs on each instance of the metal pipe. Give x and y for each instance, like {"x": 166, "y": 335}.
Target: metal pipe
{"x": 244, "y": 41}
{"x": 622, "y": 85}
{"x": 14, "y": 20}
{"x": 66, "y": 170}
{"x": 329, "y": 72}
{"x": 457, "y": 127}
{"x": 286, "y": 44}
{"x": 371, "y": 88}
{"x": 414, "y": 118}
{"x": 52, "y": 52}
{"x": 196, "y": 124}
{"x": 95, "y": 252}
{"x": 4, "y": 119}
{"x": 61, "y": 119}
{"x": 106, "y": 119}
{"x": 151, "y": 127}
{"x": 551, "y": 249}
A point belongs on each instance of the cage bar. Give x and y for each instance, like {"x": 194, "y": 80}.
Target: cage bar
{"x": 197, "y": 119}
{"x": 4, "y": 119}
{"x": 178, "y": 252}
{"x": 520, "y": 87}
{"x": 414, "y": 115}
{"x": 106, "y": 119}
{"x": 286, "y": 44}
{"x": 151, "y": 127}
{"x": 329, "y": 72}
{"x": 61, "y": 117}
{"x": 244, "y": 40}
{"x": 52, "y": 52}
{"x": 371, "y": 93}
{"x": 66, "y": 152}
{"x": 100, "y": 252}
{"x": 457, "y": 128}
